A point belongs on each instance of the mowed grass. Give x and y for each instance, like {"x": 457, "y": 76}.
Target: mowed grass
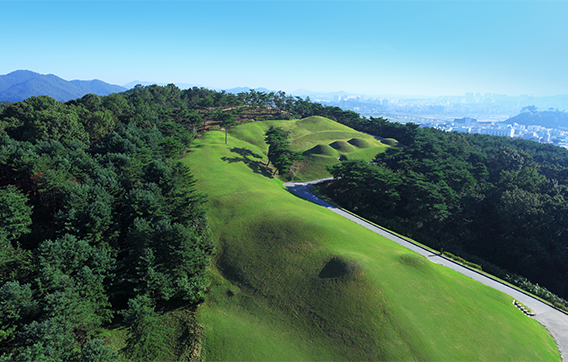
{"x": 294, "y": 281}
{"x": 321, "y": 141}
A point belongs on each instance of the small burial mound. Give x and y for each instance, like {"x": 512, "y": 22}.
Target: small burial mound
{"x": 390, "y": 141}
{"x": 338, "y": 267}
{"x": 325, "y": 150}
{"x": 359, "y": 143}
{"x": 342, "y": 146}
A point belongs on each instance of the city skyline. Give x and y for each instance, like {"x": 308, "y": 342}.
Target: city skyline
{"x": 404, "y": 48}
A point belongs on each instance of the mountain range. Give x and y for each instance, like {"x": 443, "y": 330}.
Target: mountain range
{"x": 22, "y": 84}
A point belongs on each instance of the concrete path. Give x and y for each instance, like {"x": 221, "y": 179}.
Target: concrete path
{"x": 555, "y": 321}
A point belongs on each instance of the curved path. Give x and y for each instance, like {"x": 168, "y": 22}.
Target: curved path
{"x": 555, "y": 321}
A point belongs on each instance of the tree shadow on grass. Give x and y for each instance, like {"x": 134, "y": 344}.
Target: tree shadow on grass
{"x": 251, "y": 159}
{"x": 245, "y": 152}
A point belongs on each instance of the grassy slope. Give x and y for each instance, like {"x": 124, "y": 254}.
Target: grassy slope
{"x": 267, "y": 301}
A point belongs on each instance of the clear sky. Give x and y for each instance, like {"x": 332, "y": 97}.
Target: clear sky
{"x": 370, "y": 47}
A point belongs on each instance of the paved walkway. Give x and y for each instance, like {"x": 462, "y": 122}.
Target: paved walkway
{"x": 555, "y": 321}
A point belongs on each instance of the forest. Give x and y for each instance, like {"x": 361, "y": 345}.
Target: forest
{"x": 101, "y": 224}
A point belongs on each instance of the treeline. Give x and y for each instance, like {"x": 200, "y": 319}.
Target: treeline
{"x": 497, "y": 201}
{"x": 302, "y": 108}
{"x": 99, "y": 222}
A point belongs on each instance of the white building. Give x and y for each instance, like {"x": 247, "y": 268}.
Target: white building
{"x": 504, "y": 132}
{"x": 529, "y": 136}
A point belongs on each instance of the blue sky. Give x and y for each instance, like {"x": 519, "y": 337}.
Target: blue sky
{"x": 371, "y": 47}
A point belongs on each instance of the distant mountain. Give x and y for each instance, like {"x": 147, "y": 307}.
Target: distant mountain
{"x": 548, "y": 119}
{"x": 22, "y": 84}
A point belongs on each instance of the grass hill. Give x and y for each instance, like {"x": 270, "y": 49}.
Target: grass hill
{"x": 321, "y": 141}
{"x": 22, "y": 84}
{"x": 294, "y": 281}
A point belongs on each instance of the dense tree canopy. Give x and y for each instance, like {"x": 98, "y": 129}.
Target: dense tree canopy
{"x": 96, "y": 212}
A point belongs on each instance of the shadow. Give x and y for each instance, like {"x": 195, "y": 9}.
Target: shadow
{"x": 335, "y": 268}
{"x": 338, "y": 267}
{"x": 299, "y": 191}
{"x": 251, "y": 159}
{"x": 245, "y": 152}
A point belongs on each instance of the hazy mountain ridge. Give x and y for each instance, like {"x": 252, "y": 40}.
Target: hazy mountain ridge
{"x": 547, "y": 119}
{"x": 22, "y": 84}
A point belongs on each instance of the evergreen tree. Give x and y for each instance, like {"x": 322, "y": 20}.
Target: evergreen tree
{"x": 279, "y": 152}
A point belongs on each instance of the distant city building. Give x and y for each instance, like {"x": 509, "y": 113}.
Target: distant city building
{"x": 504, "y": 132}
{"x": 466, "y": 121}
{"x": 529, "y": 136}
{"x": 534, "y": 128}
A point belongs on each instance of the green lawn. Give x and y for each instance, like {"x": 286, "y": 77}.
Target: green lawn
{"x": 294, "y": 281}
